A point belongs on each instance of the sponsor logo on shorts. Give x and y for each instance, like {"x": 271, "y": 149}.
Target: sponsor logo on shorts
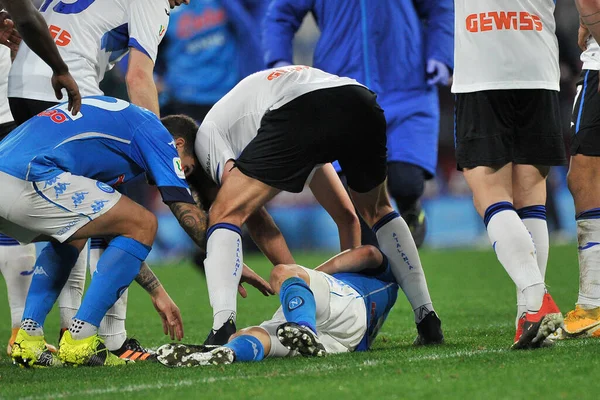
{"x": 285, "y": 70}
{"x": 60, "y": 188}
{"x": 105, "y": 188}
{"x": 178, "y": 168}
{"x": 98, "y": 205}
{"x": 503, "y": 20}
{"x": 78, "y": 198}
{"x": 66, "y": 228}
{"x": 295, "y": 302}
{"x": 39, "y": 270}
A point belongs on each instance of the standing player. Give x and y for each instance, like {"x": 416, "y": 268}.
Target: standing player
{"x": 267, "y": 135}
{"x": 507, "y": 137}
{"x": 56, "y": 171}
{"x": 585, "y": 188}
{"x": 16, "y": 262}
{"x": 399, "y": 49}
{"x": 338, "y": 307}
{"x": 92, "y": 36}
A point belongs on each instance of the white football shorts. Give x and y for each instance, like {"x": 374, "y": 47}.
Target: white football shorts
{"x": 341, "y": 316}
{"x": 57, "y": 207}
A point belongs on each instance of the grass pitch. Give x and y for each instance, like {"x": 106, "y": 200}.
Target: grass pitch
{"x": 472, "y": 294}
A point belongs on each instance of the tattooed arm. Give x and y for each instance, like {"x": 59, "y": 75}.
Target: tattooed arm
{"x": 164, "y": 305}
{"x": 192, "y": 219}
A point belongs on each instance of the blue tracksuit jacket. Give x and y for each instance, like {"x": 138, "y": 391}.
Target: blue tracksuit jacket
{"x": 384, "y": 44}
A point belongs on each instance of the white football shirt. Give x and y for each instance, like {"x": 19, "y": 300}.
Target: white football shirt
{"x": 91, "y": 36}
{"x": 234, "y": 120}
{"x": 591, "y": 56}
{"x": 5, "y": 115}
{"x": 505, "y": 44}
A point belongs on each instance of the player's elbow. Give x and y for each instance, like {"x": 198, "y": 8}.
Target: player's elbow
{"x": 139, "y": 79}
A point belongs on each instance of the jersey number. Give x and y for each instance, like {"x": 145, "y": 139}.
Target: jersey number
{"x": 68, "y": 8}
{"x": 60, "y": 113}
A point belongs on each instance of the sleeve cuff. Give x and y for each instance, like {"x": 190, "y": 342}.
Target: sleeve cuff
{"x": 136, "y": 45}
{"x": 176, "y": 194}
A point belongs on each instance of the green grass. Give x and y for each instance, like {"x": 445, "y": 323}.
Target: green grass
{"x": 471, "y": 292}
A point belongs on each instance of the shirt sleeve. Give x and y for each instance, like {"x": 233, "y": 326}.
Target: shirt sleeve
{"x": 439, "y": 17}
{"x": 154, "y": 151}
{"x": 148, "y": 23}
{"x": 283, "y": 19}
{"x": 212, "y": 151}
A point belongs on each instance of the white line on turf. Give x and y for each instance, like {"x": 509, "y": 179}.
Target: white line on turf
{"x": 316, "y": 368}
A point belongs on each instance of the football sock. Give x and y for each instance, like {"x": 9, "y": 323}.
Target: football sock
{"x": 117, "y": 268}
{"x": 223, "y": 267}
{"x": 534, "y": 219}
{"x": 396, "y": 242}
{"x": 588, "y": 235}
{"x": 247, "y": 348}
{"x": 112, "y": 327}
{"x": 16, "y": 265}
{"x": 52, "y": 268}
{"x": 32, "y": 328}
{"x": 71, "y": 294}
{"x": 298, "y": 303}
{"x": 515, "y": 251}
{"x": 80, "y": 329}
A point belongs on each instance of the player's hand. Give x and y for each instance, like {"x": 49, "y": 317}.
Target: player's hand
{"x": 175, "y": 3}
{"x": 252, "y": 278}
{"x": 169, "y": 313}
{"x": 582, "y": 37}
{"x": 66, "y": 81}
{"x": 437, "y": 73}
{"x": 8, "y": 34}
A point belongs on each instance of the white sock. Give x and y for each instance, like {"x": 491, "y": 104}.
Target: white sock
{"x": 16, "y": 265}
{"x": 112, "y": 328}
{"x": 32, "y": 328}
{"x": 223, "y": 266}
{"x": 80, "y": 329}
{"x": 70, "y": 296}
{"x": 516, "y": 252}
{"x": 588, "y": 235}
{"x": 534, "y": 219}
{"x": 396, "y": 242}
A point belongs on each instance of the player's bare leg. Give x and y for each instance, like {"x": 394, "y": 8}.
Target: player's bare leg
{"x": 239, "y": 197}
{"x": 529, "y": 192}
{"x": 584, "y": 184}
{"x": 493, "y": 198}
{"x": 397, "y": 243}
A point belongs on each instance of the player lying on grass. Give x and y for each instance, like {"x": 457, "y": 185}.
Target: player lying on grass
{"x": 338, "y": 307}
{"x": 56, "y": 172}
{"x": 271, "y": 133}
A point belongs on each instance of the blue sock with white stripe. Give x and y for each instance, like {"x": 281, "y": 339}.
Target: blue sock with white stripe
{"x": 223, "y": 266}
{"x": 117, "y": 268}
{"x": 397, "y": 243}
{"x": 247, "y": 348}
{"x": 516, "y": 252}
{"x": 588, "y": 236}
{"x": 52, "y": 268}
{"x": 298, "y": 303}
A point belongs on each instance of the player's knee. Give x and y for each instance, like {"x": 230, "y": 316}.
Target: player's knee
{"x": 578, "y": 178}
{"x": 145, "y": 227}
{"x": 372, "y": 254}
{"x": 280, "y": 273}
{"x": 406, "y": 183}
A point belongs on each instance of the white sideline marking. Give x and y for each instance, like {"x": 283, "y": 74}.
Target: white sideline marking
{"x": 302, "y": 371}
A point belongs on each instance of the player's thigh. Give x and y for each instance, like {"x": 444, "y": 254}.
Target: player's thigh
{"x": 239, "y": 197}
{"x": 538, "y": 139}
{"x": 484, "y": 128}
{"x": 529, "y": 185}
{"x": 489, "y": 185}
